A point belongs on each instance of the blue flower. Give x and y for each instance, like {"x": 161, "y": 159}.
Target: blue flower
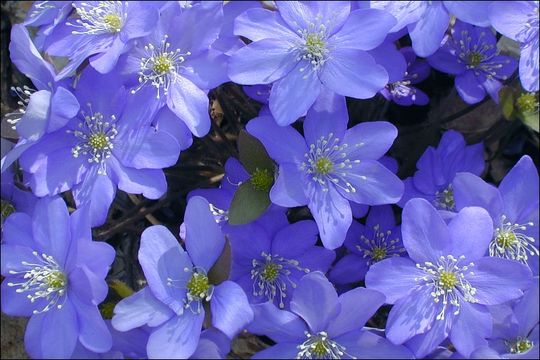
{"x": 513, "y": 208}
{"x": 45, "y": 16}
{"x": 175, "y": 66}
{"x": 179, "y": 286}
{"x": 331, "y": 166}
{"x": 110, "y": 144}
{"x": 368, "y": 244}
{"x": 404, "y": 70}
{"x": 443, "y": 289}
{"x": 101, "y": 31}
{"x": 515, "y": 329}
{"x": 471, "y": 54}
{"x": 305, "y": 47}
{"x": 321, "y": 325}
{"x": 437, "y": 168}
{"x": 269, "y": 256}
{"x": 427, "y": 21}
{"x": 43, "y": 110}
{"x": 55, "y": 274}
{"x": 518, "y": 20}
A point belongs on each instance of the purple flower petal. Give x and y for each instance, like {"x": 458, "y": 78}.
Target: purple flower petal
{"x": 470, "y": 328}
{"x": 377, "y": 22}
{"x": 498, "y": 280}
{"x": 472, "y": 12}
{"x": 471, "y": 190}
{"x": 15, "y": 303}
{"x": 287, "y": 190}
{"x": 357, "y": 306}
{"x": 97, "y": 193}
{"x": 292, "y": 96}
{"x": 208, "y": 70}
{"x": 93, "y": 332}
{"x": 262, "y": 62}
{"x": 283, "y": 143}
{"x": 366, "y": 345}
{"x": 374, "y": 184}
{"x": 349, "y": 269}
{"x": 230, "y": 308}
{"x": 468, "y": 87}
{"x": 295, "y": 239}
{"x": 51, "y": 229}
{"x": 425, "y": 234}
{"x": 394, "y": 277}
{"x": 370, "y": 140}
{"x": 278, "y": 325}
{"x": 17, "y": 230}
{"x": 509, "y": 18}
{"x": 522, "y": 176}
{"x": 427, "y": 33}
{"x": 402, "y": 325}
{"x": 161, "y": 258}
{"x": 425, "y": 343}
{"x": 332, "y": 213}
{"x": 471, "y": 231}
{"x": 150, "y": 183}
{"x": 353, "y": 73}
{"x": 258, "y": 24}
{"x": 327, "y": 115}
{"x": 141, "y": 308}
{"x": 190, "y": 104}
{"x": 177, "y": 338}
{"x": 317, "y": 314}
{"x": 204, "y": 239}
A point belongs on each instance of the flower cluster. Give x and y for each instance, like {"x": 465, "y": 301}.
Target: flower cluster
{"x": 319, "y": 239}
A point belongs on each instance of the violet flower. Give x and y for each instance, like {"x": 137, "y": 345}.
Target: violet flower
{"x": 174, "y": 65}
{"x": 56, "y": 275}
{"x": 437, "y": 168}
{"x": 399, "y": 89}
{"x": 513, "y": 208}
{"x": 368, "y": 244}
{"x": 515, "y": 330}
{"x": 45, "y": 16}
{"x": 427, "y": 21}
{"x": 179, "y": 286}
{"x": 110, "y": 144}
{"x": 518, "y": 20}
{"x": 331, "y": 166}
{"x": 321, "y": 325}
{"x": 43, "y": 110}
{"x": 443, "y": 289}
{"x": 269, "y": 256}
{"x": 471, "y": 54}
{"x": 101, "y": 30}
{"x": 308, "y": 46}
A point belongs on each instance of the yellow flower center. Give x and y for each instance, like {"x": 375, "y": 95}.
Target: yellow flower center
{"x": 319, "y": 350}
{"x": 56, "y": 280}
{"x": 475, "y": 59}
{"x": 324, "y": 165}
{"x": 113, "y": 21}
{"x": 448, "y": 280}
{"x": 162, "y": 64}
{"x": 527, "y": 103}
{"x": 98, "y": 141}
{"x": 198, "y": 285}
{"x": 262, "y": 179}
{"x": 506, "y": 239}
{"x": 379, "y": 253}
{"x": 270, "y": 271}
{"x": 520, "y": 346}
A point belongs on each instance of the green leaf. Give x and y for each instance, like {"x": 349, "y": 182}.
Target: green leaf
{"x": 121, "y": 288}
{"x": 530, "y": 119}
{"x": 506, "y": 97}
{"x": 247, "y": 204}
{"x": 252, "y": 153}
